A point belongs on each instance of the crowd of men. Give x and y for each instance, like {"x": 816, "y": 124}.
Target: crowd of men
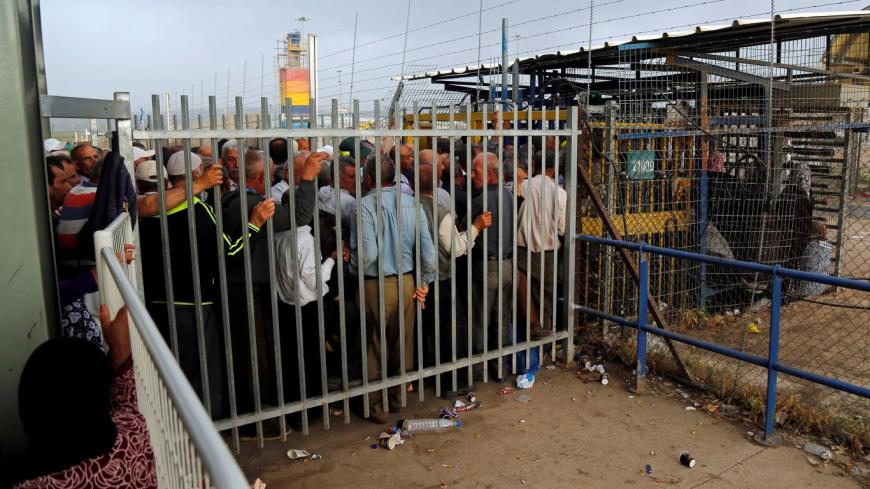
{"x": 392, "y": 232}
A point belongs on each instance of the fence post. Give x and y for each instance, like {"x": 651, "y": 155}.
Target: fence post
{"x": 642, "y": 321}
{"x": 773, "y": 359}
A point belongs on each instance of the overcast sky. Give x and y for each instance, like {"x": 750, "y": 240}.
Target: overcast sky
{"x": 96, "y": 47}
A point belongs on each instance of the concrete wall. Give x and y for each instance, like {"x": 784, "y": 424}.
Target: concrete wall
{"x": 28, "y": 297}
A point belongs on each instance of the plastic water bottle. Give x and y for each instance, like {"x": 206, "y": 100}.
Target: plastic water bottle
{"x": 429, "y": 425}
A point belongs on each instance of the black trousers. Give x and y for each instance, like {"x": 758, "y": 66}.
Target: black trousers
{"x": 243, "y": 368}
{"x": 189, "y": 354}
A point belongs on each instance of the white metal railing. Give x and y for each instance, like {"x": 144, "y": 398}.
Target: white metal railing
{"x": 188, "y": 450}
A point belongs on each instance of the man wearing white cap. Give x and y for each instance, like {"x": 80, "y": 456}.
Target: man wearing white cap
{"x": 51, "y": 144}
{"x": 141, "y": 155}
{"x": 175, "y": 168}
{"x": 146, "y": 177}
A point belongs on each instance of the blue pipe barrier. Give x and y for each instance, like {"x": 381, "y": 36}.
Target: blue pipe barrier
{"x": 771, "y": 363}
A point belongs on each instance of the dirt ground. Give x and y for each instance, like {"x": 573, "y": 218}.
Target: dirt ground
{"x": 568, "y": 435}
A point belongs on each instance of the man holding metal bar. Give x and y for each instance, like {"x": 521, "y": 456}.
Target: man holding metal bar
{"x": 539, "y": 216}
{"x": 255, "y": 167}
{"x": 182, "y": 279}
{"x": 446, "y": 231}
{"x": 484, "y": 173}
{"x": 370, "y": 258}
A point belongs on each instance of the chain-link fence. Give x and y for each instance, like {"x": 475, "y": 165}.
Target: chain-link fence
{"x": 747, "y": 144}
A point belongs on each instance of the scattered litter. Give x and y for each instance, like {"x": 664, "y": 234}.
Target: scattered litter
{"x": 458, "y": 404}
{"x": 411, "y": 426}
{"x": 819, "y": 451}
{"x": 522, "y": 398}
{"x": 524, "y": 482}
{"x": 430, "y": 450}
{"x": 447, "y": 413}
{"x": 337, "y": 412}
{"x": 753, "y": 328}
{"x": 468, "y": 407}
{"x": 410, "y": 388}
{"x": 687, "y": 459}
{"x": 551, "y": 367}
{"x": 367, "y": 438}
{"x": 258, "y": 484}
{"x": 573, "y": 399}
{"x": 711, "y": 408}
{"x": 505, "y": 391}
{"x": 442, "y": 486}
{"x": 471, "y": 397}
{"x": 525, "y": 381}
{"x": 374, "y": 446}
{"x": 390, "y": 441}
{"x": 586, "y": 362}
{"x": 750, "y": 434}
{"x": 315, "y": 456}
{"x": 354, "y": 454}
{"x": 812, "y": 461}
{"x": 691, "y": 408}
{"x": 653, "y": 453}
{"x": 600, "y": 369}
{"x": 296, "y": 454}
{"x": 605, "y": 379}
{"x": 648, "y": 469}
{"x": 522, "y": 421}
{"x": 631, "y": 397}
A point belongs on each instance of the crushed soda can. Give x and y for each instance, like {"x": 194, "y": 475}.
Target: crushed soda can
{"x": 505, "y": 391}
{"x": 471, "y": 397}
{"x": 448, "y": 413}
{"x": 390, "y": 442}
{"x": 687, "y": 459}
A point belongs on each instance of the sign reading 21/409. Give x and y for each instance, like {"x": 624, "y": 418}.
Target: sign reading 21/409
{"x": 641, "y": 165}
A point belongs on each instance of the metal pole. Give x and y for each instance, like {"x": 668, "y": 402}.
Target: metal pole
{"x": 642, "y": 314}
{"x": 353, "y": 63}
{"x": 504, "y": 64}
{"x": 479, "y": 37}
{"x": 405, "y": 43}
{"x": 772, "y": 355}
{"x": 313, "y": 89}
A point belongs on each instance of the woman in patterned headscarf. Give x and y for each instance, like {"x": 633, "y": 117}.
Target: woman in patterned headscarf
{"x": 79, "y": 411}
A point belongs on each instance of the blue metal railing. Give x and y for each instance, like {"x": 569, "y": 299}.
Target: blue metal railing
{"x": 771, "y": 362}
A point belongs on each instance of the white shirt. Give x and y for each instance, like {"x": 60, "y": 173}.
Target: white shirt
{"x": 538, "y": 217}
{"x": 326, "y": 200}
{"x": 406, "y": 185}
{"x": 278, "y": 190}
{"x": 305, "y": 280}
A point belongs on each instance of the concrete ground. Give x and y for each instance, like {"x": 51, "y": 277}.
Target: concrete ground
{"x": 569, "y": 434}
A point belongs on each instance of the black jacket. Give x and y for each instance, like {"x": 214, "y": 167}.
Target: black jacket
{"x": 305, "y": 195}
{"x": 179, "y": 253}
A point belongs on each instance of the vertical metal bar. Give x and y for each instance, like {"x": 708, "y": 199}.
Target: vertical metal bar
{"x": 222, "y": 280}
{"x": 542, "y": 306}
{"x": 249, "y": 292}
{"x": 379, "y": 226}
{"x": 265, "y": 122}
{"x": 194, "y": 257}
{"x": 610, "y": 195}
{"x": 164, "y": 229}
{"x": 364, "y": 339}
{"x": 453, "y": 297}
{"x": 295, "y": 272}
{"x": 486, "y": 316}
{"x": 642, "y": 319}
{"x": 773, "y": 354}
{"x": 553, "y": 308}
{"x": 339, "y": 240}
{"x": 570, "y": 232}
{"x": 417, "y": 207}
{"x": 400, "y": 275}
{"x": 468, "y": 261}
{"x": 514, "y": 319}
{"x": 528, "y": 227}
{"x": 435, "y": 220}
{"x": 501, "y": 230}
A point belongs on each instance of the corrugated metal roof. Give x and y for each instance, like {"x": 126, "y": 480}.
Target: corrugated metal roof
{"x": 791, "y": 20}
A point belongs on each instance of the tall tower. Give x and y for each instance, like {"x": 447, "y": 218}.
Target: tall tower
{"x": 293, "y": 72}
